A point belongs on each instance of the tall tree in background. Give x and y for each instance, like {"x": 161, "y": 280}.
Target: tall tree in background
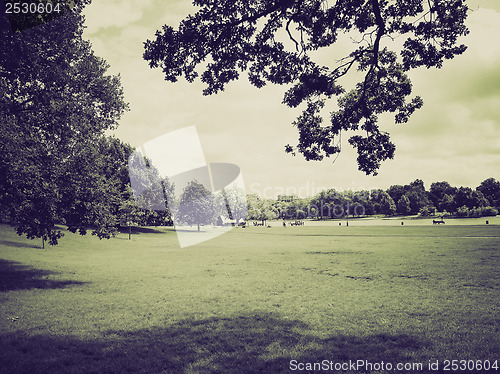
{"x": 261, "y": 209}
{"x": 491, "y": 190}
{"x": 152, "y": 192}
{"x": 232, "y": 202}
{"x": 196, "y": 205}
{"x": 403, "y": 206}
{"x": 417, "y": 195}
{"x": 128, "y": 212}
{"x": 55, "y": 99}
{"x": 275, "y": 42}
{"x": 397, "y": 191}
{"x": 437, "y": 194}
{"x": 387, "y": 205}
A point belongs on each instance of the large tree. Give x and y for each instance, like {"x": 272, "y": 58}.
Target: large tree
{"x": 491, "y": 190}
{"x": 232, "y": 202}
{"x": 261, "y": 209}
{"x": 93, "y": 183}
{"x": 152, "y": 192}
{"x": 438, "y": 191}
{"x": 417, "y": 195}
{"x": 196, "y": 205}
{"x": 55, "y": 100}
{"x": 403, "y": 206}
{"x": 275, "y": 42}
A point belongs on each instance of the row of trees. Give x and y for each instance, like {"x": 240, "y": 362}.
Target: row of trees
{"x": 411, "y": 199}
{"x": 198, "y": 206}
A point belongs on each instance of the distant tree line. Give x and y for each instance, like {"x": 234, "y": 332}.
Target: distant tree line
{"x": 412, "y": 199}
{"x": 199, "y": 206}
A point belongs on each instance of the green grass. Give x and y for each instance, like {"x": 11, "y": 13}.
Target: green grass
{"x": 251, "y": 300}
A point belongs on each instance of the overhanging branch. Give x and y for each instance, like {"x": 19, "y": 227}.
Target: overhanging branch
{"x": 375, "y": 50}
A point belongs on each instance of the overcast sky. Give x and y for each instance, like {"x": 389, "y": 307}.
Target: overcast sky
{"x": 455, "y": 137}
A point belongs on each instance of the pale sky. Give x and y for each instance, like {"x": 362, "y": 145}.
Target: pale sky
{"x": 455, "y": 137}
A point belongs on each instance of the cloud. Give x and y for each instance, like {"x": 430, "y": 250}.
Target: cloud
{"x": 113, "y": 13}
{"x": 465, "y": 92}
{"x": 484, "y": 4}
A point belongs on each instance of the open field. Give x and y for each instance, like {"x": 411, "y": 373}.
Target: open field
{"x": 252, "y": 300}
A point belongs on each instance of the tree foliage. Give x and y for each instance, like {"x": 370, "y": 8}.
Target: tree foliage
{"x": 94, "y": 182}
{"x": 232, "y": 203}
{"x": 261, "y": 209}
{"x": 276, "y": 42}
{"x": 56, "y": 101}
{"x": 152, "y": 192}
{"x": 403, "y": 206}
{"x": 128, "y": 212}
{"x": 438, "y": 194}
{"x": 411, "y": 199}
{"x": 491, "y": 190}
{"x": 387, "y": 205}
{"x": 196, "y": 205}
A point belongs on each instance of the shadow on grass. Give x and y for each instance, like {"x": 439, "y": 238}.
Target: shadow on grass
{"x": 9, "y": 243}
{"x": 263, "y": 343}
{"x": 15, "y": 276}
{"x": 142, "y": 230}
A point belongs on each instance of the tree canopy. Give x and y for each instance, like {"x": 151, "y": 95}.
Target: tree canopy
{"x": 56, "y": 102}
{"x": 275, "y": 42}
{"x": 196, "y": 205}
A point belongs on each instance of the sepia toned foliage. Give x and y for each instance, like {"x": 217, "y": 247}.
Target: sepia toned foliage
{"x": 56, "y": 102}
{"x": 276, "y": 42}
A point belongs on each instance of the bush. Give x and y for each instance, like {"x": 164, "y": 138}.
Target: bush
{"x": 482, "y": 211}
{"x": 427, "y": 211}
{"x": 463, "y": 211}
{"x": 475, "y": 212}
{"x": 489, "y": 211}
{"x": 445, "y": 213}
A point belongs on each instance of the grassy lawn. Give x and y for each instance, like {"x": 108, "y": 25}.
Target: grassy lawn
{"x": 251, "y": 300}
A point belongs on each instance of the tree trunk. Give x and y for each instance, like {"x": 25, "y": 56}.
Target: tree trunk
{"x": 129, "y": 231}
{"x": 198, "y": 227}
{"x": 43, "y": 242}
